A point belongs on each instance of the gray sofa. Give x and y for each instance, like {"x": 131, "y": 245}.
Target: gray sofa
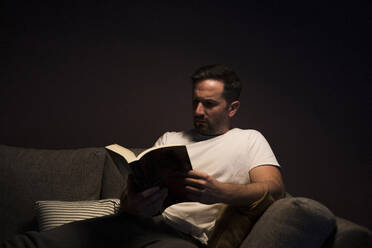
{"x": 88, "y": 174}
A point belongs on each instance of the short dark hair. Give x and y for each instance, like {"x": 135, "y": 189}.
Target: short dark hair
{"x": 223, "y": 73}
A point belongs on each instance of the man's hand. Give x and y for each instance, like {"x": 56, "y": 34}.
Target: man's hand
{"x": 147, "y": 203}
{"x": 203, "y": 188}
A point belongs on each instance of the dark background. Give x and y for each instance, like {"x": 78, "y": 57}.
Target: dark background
{"x": 93, "y": 73}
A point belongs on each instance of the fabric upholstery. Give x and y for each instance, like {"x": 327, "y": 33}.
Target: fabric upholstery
{"x": 29, "y": 175}
{"x": 114, "y": 178}
{"x": 292, "y": 222}
{"x": 348, "y": 234}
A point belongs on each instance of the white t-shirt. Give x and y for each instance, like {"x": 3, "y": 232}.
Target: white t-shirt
{"x": 228, "y": 158}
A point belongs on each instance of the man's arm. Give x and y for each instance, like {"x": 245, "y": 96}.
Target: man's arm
{"x": 204, "y": 188}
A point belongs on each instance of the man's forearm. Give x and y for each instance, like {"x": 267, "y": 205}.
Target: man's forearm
{"x": 236, "y": 194}
{"x": 204, "y": 188}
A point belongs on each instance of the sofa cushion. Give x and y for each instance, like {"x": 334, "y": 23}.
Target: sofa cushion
{"x": 29, "y": 175}
{"x": 349, "y": 234}
{"x": 292, "y": 222}
{"x": 52, "y": 214}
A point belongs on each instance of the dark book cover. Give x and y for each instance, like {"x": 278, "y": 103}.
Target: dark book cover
{"x": 164, "y": 167}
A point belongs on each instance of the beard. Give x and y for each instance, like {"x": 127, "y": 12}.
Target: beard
{"x": 203, "y": 126}
{"x": 206, "y": 127}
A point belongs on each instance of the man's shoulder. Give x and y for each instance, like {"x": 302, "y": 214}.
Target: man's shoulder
{"x": 245, "y": 132}
{"x": 175, "y": 137}
{"x": 245, "y": 136}
{"x": 174, "y": 134}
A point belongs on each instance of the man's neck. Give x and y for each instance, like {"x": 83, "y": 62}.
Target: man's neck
{"x": 204, "y": 136}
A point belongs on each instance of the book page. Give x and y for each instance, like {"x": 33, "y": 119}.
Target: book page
{"x": 153, "y": 148}
{"x": 124, "y": 152}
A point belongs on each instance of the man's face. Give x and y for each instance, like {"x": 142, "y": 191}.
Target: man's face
{"x": 210, "y": 109}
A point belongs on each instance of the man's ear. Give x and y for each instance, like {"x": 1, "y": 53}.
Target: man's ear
{"x": 233, "y": 108}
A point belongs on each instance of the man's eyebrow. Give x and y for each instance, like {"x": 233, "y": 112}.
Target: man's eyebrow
{"x": 204, "y": 99}
{"x": 210, "y": 100}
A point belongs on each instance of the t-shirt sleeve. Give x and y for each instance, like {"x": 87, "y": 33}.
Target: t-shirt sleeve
{"x": 260, "y": 152}
{"x": 162, "y": 140}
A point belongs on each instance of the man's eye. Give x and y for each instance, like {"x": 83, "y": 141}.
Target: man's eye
{"x": 209, "y": 104}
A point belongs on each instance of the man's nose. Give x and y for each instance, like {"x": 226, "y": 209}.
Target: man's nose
{"x": 199, "y": 109}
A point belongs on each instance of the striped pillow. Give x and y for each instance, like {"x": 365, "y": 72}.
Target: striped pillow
{"x": 52, "y": 214}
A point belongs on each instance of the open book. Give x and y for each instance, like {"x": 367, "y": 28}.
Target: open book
{"x": 163, "y": 166}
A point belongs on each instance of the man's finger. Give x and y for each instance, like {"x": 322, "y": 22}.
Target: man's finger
{"x": 197, "y": 174}
{"x": 199, "y": 183}
{"x": 193, "y": 190}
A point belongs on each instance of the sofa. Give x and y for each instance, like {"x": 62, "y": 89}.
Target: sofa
{"x": 30, "y": 179}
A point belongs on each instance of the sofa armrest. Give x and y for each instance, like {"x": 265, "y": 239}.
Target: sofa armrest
{"x": 29, "y": 175}
{"x": 349, "y": 234}
{"x": 292, "y": 222}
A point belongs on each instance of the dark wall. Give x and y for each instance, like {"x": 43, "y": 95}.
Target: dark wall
{"x": 84, "y": 74}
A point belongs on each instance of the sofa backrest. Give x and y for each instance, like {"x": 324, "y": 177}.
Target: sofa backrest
{"x": 28, "y": 175}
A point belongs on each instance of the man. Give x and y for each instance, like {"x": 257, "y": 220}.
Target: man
{"x": 218, "y": 154}
{"x": 230, "y": 166}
